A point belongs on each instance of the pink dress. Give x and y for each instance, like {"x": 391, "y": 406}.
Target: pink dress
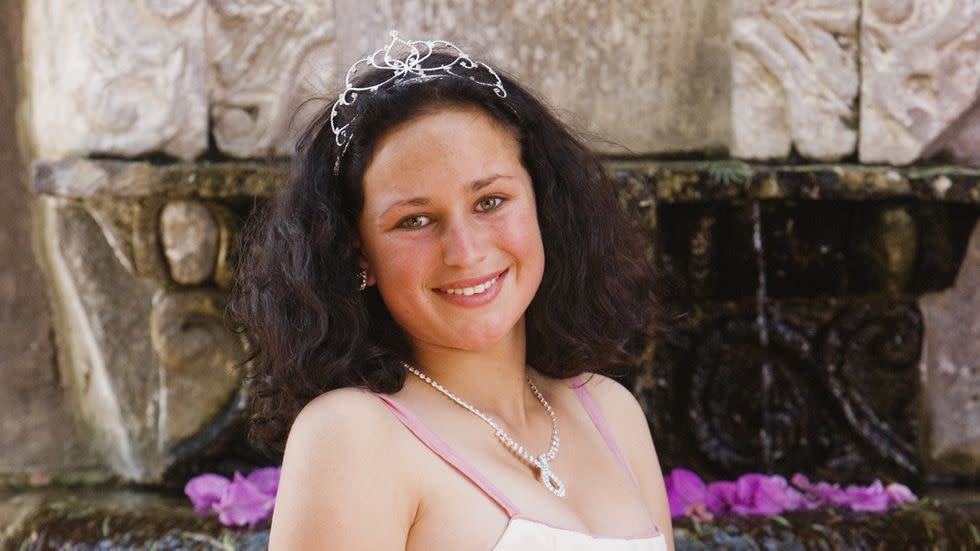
{"x": 523, "y": 532}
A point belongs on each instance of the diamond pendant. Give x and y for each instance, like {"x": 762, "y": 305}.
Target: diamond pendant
{"x": 549, "y": 478}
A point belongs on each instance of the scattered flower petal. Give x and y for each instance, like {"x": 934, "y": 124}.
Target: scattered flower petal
{"x": 205, "y": 490}
{"x": 760, "y": 494}
{"x": 266, "y": 480}
{"x": 685, "y": 490}
{"x": 243, "y": 503}
{"x": 871, "y": 498}
{"x": 899, "y": 494}
{"x": 721, "y": 496}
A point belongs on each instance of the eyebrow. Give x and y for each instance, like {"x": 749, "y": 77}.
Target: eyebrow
{"x": 475, "y": 186}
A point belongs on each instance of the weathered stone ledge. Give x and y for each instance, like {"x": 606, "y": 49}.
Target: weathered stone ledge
{"x": 123, "y": 519}
{"x": 122, "y": 179}
{"x": 676, "y": 182}
{"x": 114, "y": 519}
{"x": 925, "y": 524}
{"x": 669, "y": 182}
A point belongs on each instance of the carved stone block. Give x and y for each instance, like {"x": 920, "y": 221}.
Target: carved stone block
{"x": 121, "y": 78}
{"x": 795, "y": 78}
{"x": 920, "y": 80}
{"x": 950, "y": 369}
{"x": 823, "y": 386}
{"x": 189, "y": 233}
{"x": 146, "y": 370}
{"x": 650, "y": 76}
{"x": 266, "y": 58}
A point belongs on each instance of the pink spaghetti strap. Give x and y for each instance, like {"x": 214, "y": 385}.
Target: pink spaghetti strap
{"x": 440, "y": 448}
{"x": 595, "y": 413}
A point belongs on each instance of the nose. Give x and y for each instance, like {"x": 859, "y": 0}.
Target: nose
{"x": 462, "y": 242}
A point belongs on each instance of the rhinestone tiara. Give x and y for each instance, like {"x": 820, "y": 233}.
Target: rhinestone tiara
{"x": 406, "y": 61}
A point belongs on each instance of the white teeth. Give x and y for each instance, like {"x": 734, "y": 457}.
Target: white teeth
{"x": 475, "y": 290}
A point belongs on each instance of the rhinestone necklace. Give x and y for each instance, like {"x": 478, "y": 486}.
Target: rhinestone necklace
{"x": 541, "y": 462}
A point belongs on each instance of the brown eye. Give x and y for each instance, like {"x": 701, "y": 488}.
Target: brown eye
{"x": 489, "y": 203}
{"x": 414, "y": 222}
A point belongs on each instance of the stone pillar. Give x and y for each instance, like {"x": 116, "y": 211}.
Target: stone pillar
{"x": 37, "y": 434}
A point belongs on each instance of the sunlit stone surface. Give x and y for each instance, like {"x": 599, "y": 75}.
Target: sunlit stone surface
{"x": 189, "y": 234}
{"x": 795, "y": 78}
{"x": 647, "y": 76}
{"x": 120, "y": 78}
{"x": 920, "y": 80}
{"x": 266, "y": 57}
{"x": 950, "y": 368}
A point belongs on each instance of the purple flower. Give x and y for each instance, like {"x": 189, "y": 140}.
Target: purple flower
{"x": 867, "y": 498}
{"x": 238, "y": 502}
{"x": 899, "y": 494}
{"x": 873, "y": 497}
{"x": 206, "y": 490}
{"x": 721, "y": 496}
{"x": 686, "y": 494}
{"x": 266, "y": 479}
{"x": 819, "y": 494}
{"x": 244, "y": 503}
{"x": 758, "y": 494}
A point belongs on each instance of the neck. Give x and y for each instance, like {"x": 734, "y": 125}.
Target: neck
{"x": 494, "y": 380}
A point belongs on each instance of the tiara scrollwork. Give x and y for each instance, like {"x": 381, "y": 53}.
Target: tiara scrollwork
{"x": 406, "y": 61}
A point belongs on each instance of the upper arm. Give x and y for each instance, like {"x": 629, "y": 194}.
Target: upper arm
{"x": 632, "y": 432}
{"x": 342, "y": 485}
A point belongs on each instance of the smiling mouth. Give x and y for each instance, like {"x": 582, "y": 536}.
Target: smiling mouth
{"x": 477, "y": 289}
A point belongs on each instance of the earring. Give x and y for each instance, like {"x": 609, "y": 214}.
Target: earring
{"x": 362, "y": 279}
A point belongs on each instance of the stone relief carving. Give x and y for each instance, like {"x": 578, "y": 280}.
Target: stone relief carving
{"x": 920, "y": 81}
{"x": 125, "y": 78}
{"x": 266, "y": 59}
{"x": 198, "y": 362}
{"x": 189, "y": 233}
{"x": 137, "y": 285}
{"x": 795, "y": 78}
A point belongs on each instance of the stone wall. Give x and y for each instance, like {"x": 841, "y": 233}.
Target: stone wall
{"x": 886, "y": 82}
{"x": 126, "y": 105}
{"x": 37, "y": 432}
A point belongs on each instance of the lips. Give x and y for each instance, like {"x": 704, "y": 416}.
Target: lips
{"x": 474, "y": 290}
{"x": 470, "y": 287}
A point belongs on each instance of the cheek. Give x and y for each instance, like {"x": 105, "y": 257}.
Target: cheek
{"x": 523, "y": 237}
{"x": 400, "y": 265}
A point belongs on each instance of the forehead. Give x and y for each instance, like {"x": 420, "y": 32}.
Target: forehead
{"x": 452, "y": 146}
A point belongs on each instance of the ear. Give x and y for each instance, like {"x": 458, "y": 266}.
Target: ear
{"x": 363, "y": 262}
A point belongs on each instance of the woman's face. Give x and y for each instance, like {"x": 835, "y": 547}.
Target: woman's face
{"x": 449, "y": 231}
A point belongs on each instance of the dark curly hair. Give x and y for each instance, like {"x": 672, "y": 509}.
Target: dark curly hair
{"x": 296, "y": 293}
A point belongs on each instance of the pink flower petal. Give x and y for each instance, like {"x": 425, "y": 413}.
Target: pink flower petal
{"x": 721, "y": 496}
{"x": 266, "y": 480}
{"x": 871, "y": 498}
{"x": 899, "y": 494}
{"x": 243, "y": 503}
{"x": 685, "y": 490}
{"x": 206, "y": 490}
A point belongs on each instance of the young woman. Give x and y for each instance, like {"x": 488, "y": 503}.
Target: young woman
{"x": 433, "y": 299}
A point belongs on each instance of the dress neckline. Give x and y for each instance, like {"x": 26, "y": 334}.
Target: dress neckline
{"x": 437, "y": 445}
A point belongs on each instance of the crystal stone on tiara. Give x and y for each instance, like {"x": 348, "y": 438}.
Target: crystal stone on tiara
{"x": 409, "y": 66}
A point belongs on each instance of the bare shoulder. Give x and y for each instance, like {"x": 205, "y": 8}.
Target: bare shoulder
{"x": 342, "y": 485}
{"x": 630, "y": 427}
{"x": 618, "y": 404}
{"x": 342, "y": 412}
